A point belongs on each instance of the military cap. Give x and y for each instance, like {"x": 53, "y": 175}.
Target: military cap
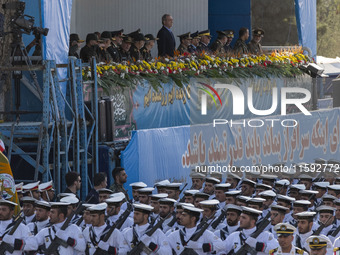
{"x": 117, "y": 33}
{"x": 263, "y": 186}
{"x": 321, "y": 185}
{"x": 195, "y": 175}
{"x": 105, "y": 191}
{"x": 243, "y": 198}
{"x": 147, "y": 190}
{"x": 127, "y": 39}
{"x": 268, "y": 194}
{"x": 156, "y": 197}
{"x": 222, "y": 186}
{"x": 210, "y": 203}
{"x": 284, "y": 229}
{"x": 318, "y": 242}
{"x": 86, "y": 206}
{"x": 75, "y": 37}
{"x": 250, "y": 211}
{"x": 250, "y": 182}
{"x": 256, "y": 201}
{"x": 216, "y": 175}
{"x": 90, "y": 37}
{"x": 59, "y": 204}
{"x": 70, "y": 199}
{"x": 305, "y": 177}
{"x": 98, "y": 208}
{"x": 143, "y": 208}
{"x": 279, "y": 208}
{"x": 7, "y": 202}
{"x": 205, "y": 32}
{"x": 282, "y": 182}
{"x": 43, "y": 204}
{"x": 337, "y": 202}
{"x": 31, "y": 186}
{"x": 201, "y": 195}
{"x": 234, "y": 176}
{"x": 61, "y": 195}
{"x": 192, "y": 209}
{"x": 174, "y": 186}
{"x": 253, "y": 172}
{"x": 212, "y": 180}
{"x": 163, "y": 183}
{"x": 195, "y": 35}
{"x": 233, "y": 193}
{"x": 106, "y": 35}
{"x": 258, "y": 31}
{"x": 150, "y": 37}
{"x": 285, "y": 199}
{"x": 167, "y": 201}
{"x": 180, "y": 205}
{"x": 305, "y": 215}
{"x": 320, "y": 161}
{"x": 138, "y": 37}
{"x": 132, "y": 34}
{"x": 18, "y": 187}
{"x": 325, "y": 209}
{"x": 115, "y": 198}
{"x": 308, "y": 192}
{"x": 298, "y": 186}
{"x": 191, "y": 192}
{"x": 335, "y": 187}
{"x": 230, "y": 33}
{"x": 185, "y": 36}
{"x": 301, "y": 203}
{"x": 46, "y": 186}
{"x": 328, "y": 197}
{"x": 232, "y": 207}
{"x": 29, "y": 200}
{"x": 221, "y": 33}
{"x": 271, "y": 177}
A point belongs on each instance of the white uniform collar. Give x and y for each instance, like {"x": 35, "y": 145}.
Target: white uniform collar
{"x": 248, "y": 232}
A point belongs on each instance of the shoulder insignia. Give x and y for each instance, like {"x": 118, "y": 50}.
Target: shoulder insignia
{"x": 273, "y": 250}
{"x": 336, "y": 249}
{"x": 299, "y": 251}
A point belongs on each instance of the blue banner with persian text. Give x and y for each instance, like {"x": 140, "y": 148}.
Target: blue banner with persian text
{"x": 164, "y": 153}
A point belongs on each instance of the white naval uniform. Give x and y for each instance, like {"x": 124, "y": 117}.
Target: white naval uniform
{"x": 158, "y": 237}
{"x": 207, "y": 237}
{"x": 46, "y": 235}
{"x": 218, "y": 227}
{"x": 226, "y": 231}
{"x": 35, "y": 227}
{"x": 300, "y": 239}
{"x": 127, "y": 223}
{"x": 233, "y": 242}
{"x": 165, "y": 226}
{"x": 22, "y": 232}
{"x": 97, "y": 233}
{"x": 29, "y": 219}
{"x": 294, "y": 251}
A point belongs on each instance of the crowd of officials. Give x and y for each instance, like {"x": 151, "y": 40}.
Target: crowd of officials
{"x": 219, "y": 214}
{"x": 116, "y": 46}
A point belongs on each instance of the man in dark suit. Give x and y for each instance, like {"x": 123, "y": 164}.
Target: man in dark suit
{"x": 166, "y": 43}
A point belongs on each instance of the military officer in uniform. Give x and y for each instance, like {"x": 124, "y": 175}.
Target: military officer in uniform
{"x": 220, "y": 190}
{"x": 74, "y": 45}
{"x": 217, "y": 47}
{"x": 72, "y": 237}
{"x": 94, "y": 234}
{"x": 104, "y": 194}
{"x": 180, "y": 239}
{"x": 90, "y": 49}
{"x": 173, "y": 190}
{"x": 161, "y": 186}
{"x": 113, "y": 210}
{"x": 32, "y": 190}
{"x": 319, "y": 245}
{"x": 137, "y": 45}
{"x": 102, "y": 52}
{"x": 167, "y": 212}
{"x": 135, "y": 187}
{"x": 28, "y": 208}
{"x": 277, "y": 215}
{"x": 230, "y": 196}
{"x": 124, "y": 52}
{"x": 73, "y": 203}
{"x": 262, "y": 244}
{"x": 209, "y": 187}
{"x": 285, "y": 233}
{"x": 47, "y": 191}
{"x": 154, "y": 202}
{"x": 204, "y": 42}
{"x": 18, "y": 239}
{"x": 42, "y": 212}
{"x": 144, "y": 195}
{"x": 157, "y": 242}
{"x": 149, "y": 43}
{"x": 117, "y": 37}
{"x": 210, "y": 208}
{"x": 304, "y": 226}
{"x": 192, "y": 48}
{"x": 233, "y": 213}
{"x": 240, "y": 46}
{"x": 185, "y": 40}
{"x": 230, "y": 36}
{"x": 189, "y": 195}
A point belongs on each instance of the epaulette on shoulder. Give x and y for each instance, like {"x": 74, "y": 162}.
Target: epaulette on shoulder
{"x": 272, "y": 251}
{"x": 299, "y": 251}
{"x": 336, "y": 249}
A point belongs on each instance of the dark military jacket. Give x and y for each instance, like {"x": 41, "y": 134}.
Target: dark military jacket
{"x": 217, "y": 47}
{"x": 146, "y": 54}
{"x": 115, "y": 187}
{"x": 103, "y": 55}
{"x": 255, "y": 48}
{"x": 73, "y": 51}
{"x": 135, "y": 53}
{"x": 228, "y": 49}
{"x": 115, "y": 54}
{"x": 181, "y": 48}
{"x": 202, "y": 47}
{"x": 241, "y": 47}
{"x": 192, "y": 48}
{"x": 86, "y": 53}
{"x": 125, "y": 55}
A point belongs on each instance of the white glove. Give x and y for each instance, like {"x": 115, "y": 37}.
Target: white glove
{"x": 251, "y": 241}
{"x": 146, "y": 239}
{"x": 103, "y": 245}
{"x": 194, "y": 245}
{"x": 62, "y": 234}
{"x": 9, "y": 239}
